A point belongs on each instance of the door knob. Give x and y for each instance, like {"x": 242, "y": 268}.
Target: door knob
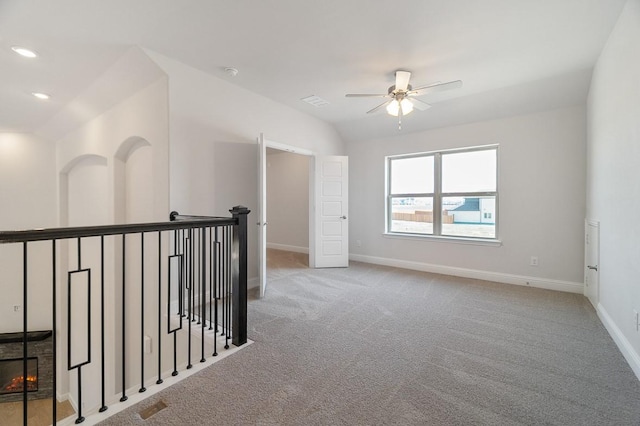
{"x": 595, "y": 268}
{"x": 343, "y": 217}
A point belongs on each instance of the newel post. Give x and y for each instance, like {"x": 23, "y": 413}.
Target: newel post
{"x": 239, "y": 276}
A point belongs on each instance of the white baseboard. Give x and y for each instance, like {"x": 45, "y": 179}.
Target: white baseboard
{"x": 632, "y": 357}
{"x": 286, "y": 247}
{"x": 566, "y": 286}
{"x": 253, "y": 282}
{"x": 93, "y": 416}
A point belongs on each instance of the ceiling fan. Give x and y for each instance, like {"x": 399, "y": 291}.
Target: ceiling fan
{"x": 402, "y": 97}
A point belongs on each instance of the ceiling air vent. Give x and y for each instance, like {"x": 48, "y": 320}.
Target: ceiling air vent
{"x": 316, "y": 101}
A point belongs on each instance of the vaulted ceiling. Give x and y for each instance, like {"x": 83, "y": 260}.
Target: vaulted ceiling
{"x": 514, "y": 56}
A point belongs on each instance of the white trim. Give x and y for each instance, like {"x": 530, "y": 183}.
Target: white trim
{"x": 253, "y": 282}
{"x": 115, "y": 406}
{"x": 566, "y": 286}
{"x": 445, "y": 239}
{"x": 286, "y": 247}
{"x": 632, "y": 357}
{"x": 288, "y": 148}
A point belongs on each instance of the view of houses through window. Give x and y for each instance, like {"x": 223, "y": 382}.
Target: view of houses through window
{"x": 445, "y": 193}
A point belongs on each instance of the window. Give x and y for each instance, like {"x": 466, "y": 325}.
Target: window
{"x": 446, "y": 193}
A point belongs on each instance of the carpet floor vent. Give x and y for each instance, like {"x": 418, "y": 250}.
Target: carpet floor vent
{"x": 150, "y": 411}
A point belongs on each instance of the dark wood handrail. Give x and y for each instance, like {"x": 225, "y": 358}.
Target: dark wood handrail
{"x": 96, "y": 231}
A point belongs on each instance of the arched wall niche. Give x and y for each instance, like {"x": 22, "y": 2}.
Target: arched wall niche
{"x": 133, "y": 175}
{"x": 83, "y": 199}
{"x": 83, "y": 181}
{"x": 129, "y": 146}
{"x": 133, "y": 181}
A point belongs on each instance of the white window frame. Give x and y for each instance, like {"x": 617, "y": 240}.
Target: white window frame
{"x": 438, "y": 195}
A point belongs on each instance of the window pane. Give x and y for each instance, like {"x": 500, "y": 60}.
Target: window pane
{"x": 469, "y": 217}
{"x": 412, "y": 175}
{"x": 412, "y": 215}
{"x": 473, "y": 171}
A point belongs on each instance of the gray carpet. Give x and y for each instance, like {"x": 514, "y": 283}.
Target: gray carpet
{"x": 372, "y": 345}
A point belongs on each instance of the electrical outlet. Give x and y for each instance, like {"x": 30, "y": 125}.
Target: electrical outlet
{"x": 358, "y": 243}
{"x": 533, "y": 261}
{"x": 16, "y": 308}
{"x": 147, "y": 344}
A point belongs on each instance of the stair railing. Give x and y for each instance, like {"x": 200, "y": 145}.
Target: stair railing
{"x": 127, "y": 304}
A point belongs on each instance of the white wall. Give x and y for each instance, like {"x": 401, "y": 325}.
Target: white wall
{"x": 613, "y": 189}
{"x": 144, "y": 115}
{"x": 27, "y": 200}
{"x": 206, "y": 111}
{"x": 288, "y": 201}
{"x": 541, "y": 205}
{"x": 115, "y": 168}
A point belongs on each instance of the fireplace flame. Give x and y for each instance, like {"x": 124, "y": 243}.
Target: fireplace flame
{"x": 17, "y": 384}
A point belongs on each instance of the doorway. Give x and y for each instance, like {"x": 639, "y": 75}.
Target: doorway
{"x": 328, "y": 209}
{"x": 287, "y": 192}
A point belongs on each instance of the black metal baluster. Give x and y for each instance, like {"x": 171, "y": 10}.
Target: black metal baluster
{"x": 216, "y": 290}
{"x": 194, "y": 270}
{"x": 223, "y": 287}
{"x": 229, "y": 256}
{"x": 142, "y": 388}
{"x": 178, "y": 236}
{"x": 124, "y": 329}
{"x": 70, "y": 321}
{"x": 159, "y": 381}
{"x": 198, "y": 281}
{"x": 53, "y": 337}
{"x": 103, "y": 407}
{"x": 211, "y": 269}
{"x": 226, "y": 284}
{"x": 25, "y": 351}
{"x": 189, "y": 298}
{"x": 203, "y": 288}
{"x": 185, "y": 259}
{"x": 223, "y": 306}
{"x": 80, "y": 418}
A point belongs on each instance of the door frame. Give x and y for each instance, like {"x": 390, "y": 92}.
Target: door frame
{"x": 263, "y": 144}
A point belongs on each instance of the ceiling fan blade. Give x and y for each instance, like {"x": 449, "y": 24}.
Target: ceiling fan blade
{"x": 371, "y": 111}
{"x": 438, "y": 87}
{"x": 402, "y": 80}
{"x": 365, "y": 95}
{"x": 418, "y": 104}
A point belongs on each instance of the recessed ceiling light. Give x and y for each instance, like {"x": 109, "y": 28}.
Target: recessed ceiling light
{"x": 24, "y": 52}
{"x": 42, "y": 96}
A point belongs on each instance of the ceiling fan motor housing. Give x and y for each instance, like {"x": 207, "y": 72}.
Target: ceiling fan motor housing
{"x": 392, "y": 89}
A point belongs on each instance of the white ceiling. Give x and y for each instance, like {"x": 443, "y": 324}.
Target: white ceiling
{"x": 514, "y": 56}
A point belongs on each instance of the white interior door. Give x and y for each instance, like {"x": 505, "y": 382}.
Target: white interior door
{"x": 331, "y": 188}
{"x": 262, "y": 214}
{"x": 592, "y": 261}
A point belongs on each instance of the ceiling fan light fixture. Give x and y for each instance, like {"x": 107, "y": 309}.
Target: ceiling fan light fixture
{"x": 394, "y": 107}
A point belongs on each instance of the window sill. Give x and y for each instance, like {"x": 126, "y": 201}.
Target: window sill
{"x": 443, "y": 239}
